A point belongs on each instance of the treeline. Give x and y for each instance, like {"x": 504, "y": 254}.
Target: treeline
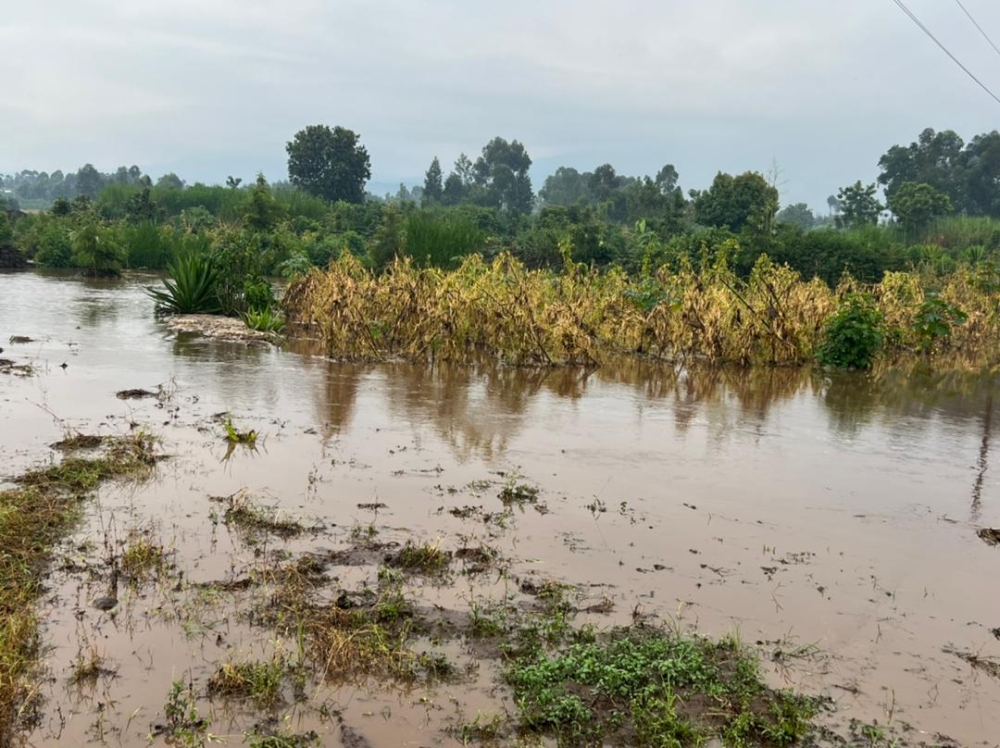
{"x": 942, "y": 214}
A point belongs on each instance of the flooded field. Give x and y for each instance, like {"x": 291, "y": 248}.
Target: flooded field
{"x": 830, "y": 521}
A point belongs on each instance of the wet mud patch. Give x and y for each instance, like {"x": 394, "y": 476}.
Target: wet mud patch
{"x": 227, "y": 329}
{"x": 79, "y": 442}
{"x": 253, "y": 519}
{"x": 134, "y": 394}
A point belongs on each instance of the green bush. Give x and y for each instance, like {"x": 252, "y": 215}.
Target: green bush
{"x": 934, "y": 321}
{"x": 53, "y": 247}
{"x": 264, "y": 320}
{"x": 852, "y": 337}
{"x": 441, "y": 240}
{"x": 97, "y": 251}
{"x": 192, "y": 288}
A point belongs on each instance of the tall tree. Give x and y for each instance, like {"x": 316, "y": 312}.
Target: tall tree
{"x": 89, "y": 181}
{"x": 666, "y": 178}
{"x": 746, "y": 200}
{"x": 916, "y": 205}
{"x": 501, "y": 174}
{"x": 859, "y": 206}
{"x": 936, "y": 158}
{"x": 566, "y": 186}
{"x": 170, "y": 181}
{"x": 797, "y": 214}
{"x": 433, "y": 184}
{"x": 331, "y": 164}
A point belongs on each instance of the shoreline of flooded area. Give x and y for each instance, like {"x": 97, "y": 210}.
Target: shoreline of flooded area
{"x": 830, "y": 520}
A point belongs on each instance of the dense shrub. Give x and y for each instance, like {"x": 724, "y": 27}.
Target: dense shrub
{"x": 852, "y": 337}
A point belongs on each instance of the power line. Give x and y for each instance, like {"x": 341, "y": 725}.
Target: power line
{"x": 976, "y": 24}
{"x": 909, "y": 13}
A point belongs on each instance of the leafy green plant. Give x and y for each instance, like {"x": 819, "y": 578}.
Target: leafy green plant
{"x": 184, "y": 725}
{"x": 853, "y": 336}
{"x": 934, "y": 320}
{"x": 190, "y": 289}
{"x": 264, "y": 320}
{"x": 96, "y": 251}
{"x": 234, "y": 436}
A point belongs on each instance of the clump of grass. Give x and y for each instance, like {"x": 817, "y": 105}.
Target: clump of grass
{"x": 255, "y": 680}
{"x": 76, "y": 442}
{"x": 34, "y": 517}
{"x": 283, "y": 741}
{"x": 243, "y": 514}
{"x": 184, "y": 725}
{"x": 235, "y": 436}
{"x": 264, "y": 320}
{"x": 358, "y": 636}
{"x": 420, "y": 559}
{"x": 19, "y": 370}
{"x": 89, "y": 666}
{"x": 518, "y": 493}
{"x": 142, "y": 559}
{"x": 363, "y": 533}
{"x": 485, "y": 728}
{"x": 657, "y": 687}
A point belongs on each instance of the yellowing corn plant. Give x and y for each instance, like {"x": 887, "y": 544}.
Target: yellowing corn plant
{"x": 581, "y": 316}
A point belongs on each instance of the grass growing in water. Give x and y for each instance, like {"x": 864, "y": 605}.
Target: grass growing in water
{"x": 235, "y": 436}
{"x": 421, "y": 559}
{"x": 243, "y": 514}
{"x": 142, "y": 558}
{"x": 256, "y": 680}
{"x": 648, "y": 687}
{"x": 33, "y": 518}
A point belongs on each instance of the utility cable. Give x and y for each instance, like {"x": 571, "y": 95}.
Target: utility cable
{"x": 976, "y": 24}
{"x": 902, "y": 6}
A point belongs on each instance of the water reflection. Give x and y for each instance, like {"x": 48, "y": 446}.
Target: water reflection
{"x": 480, "y": 410}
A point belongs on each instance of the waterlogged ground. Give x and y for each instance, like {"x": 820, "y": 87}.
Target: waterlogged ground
{"x": 833, "y": 522}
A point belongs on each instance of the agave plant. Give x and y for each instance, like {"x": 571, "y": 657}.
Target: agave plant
{"x": 264, "y": 320}
{"x": 190, "y": 289}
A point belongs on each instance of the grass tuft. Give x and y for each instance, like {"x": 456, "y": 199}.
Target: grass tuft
{"x": 34, "y": 517}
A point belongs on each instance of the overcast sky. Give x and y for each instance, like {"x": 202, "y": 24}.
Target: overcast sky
{"x": 209, "y": 88}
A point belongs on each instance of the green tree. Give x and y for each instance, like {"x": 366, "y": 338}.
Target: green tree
{"x": 170, "y": 181}
{"x": 140, "y": 207}
{"x": 262, "y": 212}
{"x": 389, "y": 241}
{"x": 501, "y": 174}
{"x": 666, "y": 178}
{"x": 566, "y": 186}
{"x": 433, "y": 182}
{"x": 96, "y": 251}
{"x": 915, "y": 205}
{"x": 982, "y": 175}
{"x": 6, "y": 232}
{"x": 936, "y": 158}
{"x": 89, "y": 181}
{"x": 859, "y": 206}
{"x": 746, "y": 200}
{"x": 603, "y": 183}
{"x": 797, "y": 214}
{"x": 329, "y": 163}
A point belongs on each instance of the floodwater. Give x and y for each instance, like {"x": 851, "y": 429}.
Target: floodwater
{"x": 832, "y": 520}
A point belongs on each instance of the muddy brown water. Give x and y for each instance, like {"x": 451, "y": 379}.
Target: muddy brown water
{"x": 832, "y": 519}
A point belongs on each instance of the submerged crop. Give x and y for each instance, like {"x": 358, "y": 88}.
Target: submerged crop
{"x": 584, "y": 316}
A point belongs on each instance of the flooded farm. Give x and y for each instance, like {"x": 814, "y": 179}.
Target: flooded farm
{"x": 337, "y": 554}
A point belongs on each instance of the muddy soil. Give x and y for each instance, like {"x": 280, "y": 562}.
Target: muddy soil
{"x": 831, "y": 521}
